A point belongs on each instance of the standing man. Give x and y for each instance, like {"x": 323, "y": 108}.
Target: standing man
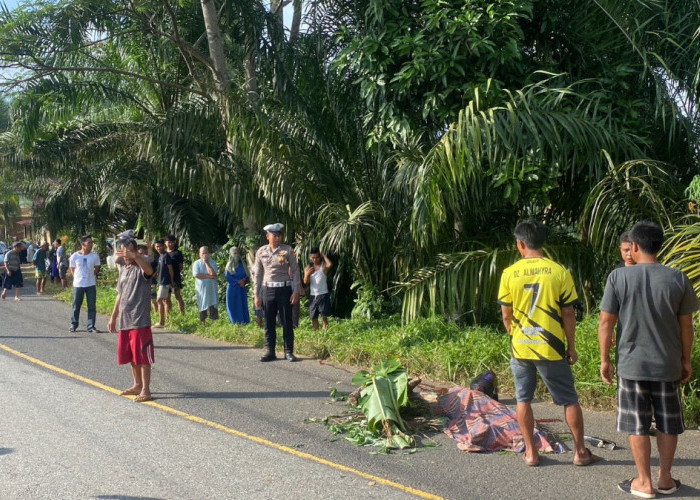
{"x": 62, "y": 263}
{"x": 537, "y": 297}
{"x": 275, "y": 290}
{"x": 627, "y": 261}
{"x": 30, "y": 251}
{"x": 84, "y": 266}
{"x": 132, "y": 312}
{"x": 52, "y": 265}
{"x": 656, "y": 305}
{"x": 625, "y": 250}
{"x": 13, "y": 271}
{"x": 204, "y": 271}
{"x": 175, "y": 269}
{"x": 39, "y": 258}
{"x": 164, "y": 290}
{"x": 316, "y": 275}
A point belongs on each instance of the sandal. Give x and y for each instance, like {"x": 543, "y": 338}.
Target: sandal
{"x": 626, "y": 486}
{"x": 670, "y": 491}
{"x": 142, "y": 398}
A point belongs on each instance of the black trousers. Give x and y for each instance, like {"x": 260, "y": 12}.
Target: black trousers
{"x": 276, "y": 300}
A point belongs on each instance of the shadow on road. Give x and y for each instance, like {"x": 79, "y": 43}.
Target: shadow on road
{"x": 6, "y": 451}
{"x": 240, "y": 395}
{"x": 202, "y": 348}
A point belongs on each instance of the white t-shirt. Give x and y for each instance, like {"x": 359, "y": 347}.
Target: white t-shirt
{"x": 319, "y": 282}
{"x": 84, "y": 269}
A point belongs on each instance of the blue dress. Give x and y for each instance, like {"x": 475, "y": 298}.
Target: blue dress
{"x": 237, "y": 297}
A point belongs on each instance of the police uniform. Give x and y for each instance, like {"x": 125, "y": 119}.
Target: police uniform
{"x": 274, "y": 286}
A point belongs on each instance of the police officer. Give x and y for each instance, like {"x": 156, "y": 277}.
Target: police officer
{"x": 275, "y": 290}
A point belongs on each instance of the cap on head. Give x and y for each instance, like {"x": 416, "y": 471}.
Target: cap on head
{"x": 275, "y": 228}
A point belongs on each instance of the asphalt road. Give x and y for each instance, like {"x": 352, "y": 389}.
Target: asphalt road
{"x": 62, "y": 437}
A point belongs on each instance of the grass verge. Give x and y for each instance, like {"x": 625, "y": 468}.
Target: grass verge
{"x": 431, "y": 348}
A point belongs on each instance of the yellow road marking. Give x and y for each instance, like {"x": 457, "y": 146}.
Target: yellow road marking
{"x": 256, "y": 439}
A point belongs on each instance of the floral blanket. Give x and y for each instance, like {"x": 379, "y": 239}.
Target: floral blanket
{"x": 479, "y": 423}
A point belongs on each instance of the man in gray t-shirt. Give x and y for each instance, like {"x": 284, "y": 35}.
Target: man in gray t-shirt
{"x": 132, "y": 311}
{"x": 656, "y": 305}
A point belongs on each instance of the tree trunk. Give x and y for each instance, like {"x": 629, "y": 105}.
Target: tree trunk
{"x": 277, "y": 8}
{"x": 296, "y": 21}
{"x": 251, "y": 79}
{"x": 216, "y": 46}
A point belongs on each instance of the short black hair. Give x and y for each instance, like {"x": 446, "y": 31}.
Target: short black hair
{"x": 648, "y": 235}
{"x": 57, "y": 240}
{"x": 625, "y": 238}
{"x": 314, "y": 250}
{"x": 171, "y": 237}
{"x": 86, "y": 237}
{"x": 160, "y": 241}
{"x": 129, "y": 242}
{"x": 532, "y": 233}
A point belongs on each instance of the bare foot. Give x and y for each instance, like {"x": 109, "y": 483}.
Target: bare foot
{"x": 142, "y": 397}
{"x": 532, "y": 461}
{"x": 131, "y": 391}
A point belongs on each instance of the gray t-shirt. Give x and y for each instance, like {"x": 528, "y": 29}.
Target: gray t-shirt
{"x": 648, "y": 298}
{"x": 135, "y": 301}
{"x": 13, "y": 261}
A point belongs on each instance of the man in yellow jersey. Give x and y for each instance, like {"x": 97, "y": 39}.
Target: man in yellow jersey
{"x": 537, "y": 297}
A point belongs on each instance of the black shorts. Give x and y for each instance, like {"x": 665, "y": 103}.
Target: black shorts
{"x": 320, "y": 305}
{"x": 15, "y": 280}
{"x": 638, "y": 400}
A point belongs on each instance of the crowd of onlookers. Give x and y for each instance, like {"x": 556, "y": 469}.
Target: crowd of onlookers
{"x": 53, "y": 263}
{"x": 50, "y": 261}
{"x": 150, "y": 279}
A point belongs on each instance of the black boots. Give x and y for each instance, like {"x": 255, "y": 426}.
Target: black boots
{"x": 270, "y": 356}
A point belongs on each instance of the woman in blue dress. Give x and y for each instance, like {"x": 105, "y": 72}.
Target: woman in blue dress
{"x": 236, "y": 294}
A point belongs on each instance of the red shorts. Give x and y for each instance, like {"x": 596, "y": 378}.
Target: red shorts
{"x": 135, "y": 346}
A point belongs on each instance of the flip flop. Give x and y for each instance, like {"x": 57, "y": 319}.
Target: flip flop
{"x": 142, "y": 398}
{"x": 626, "y": 486}
{"x": 591, "y": 459}
{"x": 670, "y": 491}
{"x": 130, "y": 392}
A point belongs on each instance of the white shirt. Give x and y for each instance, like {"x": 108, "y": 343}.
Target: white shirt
{"x": 83, "y": 267}
{"x": 319, "y": 282}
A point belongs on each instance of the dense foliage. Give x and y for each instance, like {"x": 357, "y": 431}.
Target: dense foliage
{"x": 406, "y": 137}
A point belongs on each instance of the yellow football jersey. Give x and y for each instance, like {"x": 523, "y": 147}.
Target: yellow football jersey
{"x": 537, "y": 289}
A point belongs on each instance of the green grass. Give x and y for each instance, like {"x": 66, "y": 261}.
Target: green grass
{"x": 432, "y": 348}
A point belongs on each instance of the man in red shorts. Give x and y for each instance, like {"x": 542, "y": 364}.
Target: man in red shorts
{"x": 132, "y": 309}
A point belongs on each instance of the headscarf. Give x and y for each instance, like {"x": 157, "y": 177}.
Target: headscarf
{"x": 233, "y": 260}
